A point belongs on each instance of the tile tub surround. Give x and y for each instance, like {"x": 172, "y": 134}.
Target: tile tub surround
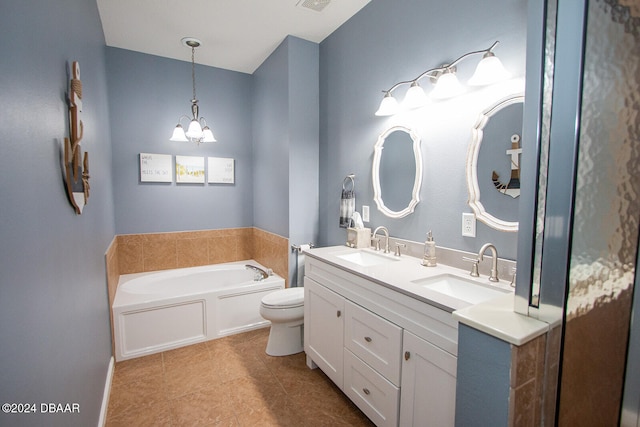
{"x": 229, "y": 381}
{"x": 137, "y": 253}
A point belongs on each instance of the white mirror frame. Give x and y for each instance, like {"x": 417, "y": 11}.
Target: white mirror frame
{"x": 377, "y": 156}
{"x": 472, "y": 166}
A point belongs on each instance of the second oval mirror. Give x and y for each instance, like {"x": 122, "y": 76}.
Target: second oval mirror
{"x": 493, "y": 164}
{"x": 397, "y": 171}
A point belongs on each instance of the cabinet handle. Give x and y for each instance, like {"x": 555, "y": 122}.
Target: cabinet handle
{"x": 366, "y": 391}
{"x": 339, "y": 313}
{"x": 367, "y": 339}
{"x": 407, "y": 355}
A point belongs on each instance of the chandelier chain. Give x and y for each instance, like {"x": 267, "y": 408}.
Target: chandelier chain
{"x": 193, "y": 71}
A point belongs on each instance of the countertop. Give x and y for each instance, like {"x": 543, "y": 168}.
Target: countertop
{"x": 494, "y": 316}
{"x": 497, "y": 318}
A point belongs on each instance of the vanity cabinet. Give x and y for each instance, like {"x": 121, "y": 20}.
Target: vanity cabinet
{"x": 428, "y": 384}
{"x": 324, "y": 332}
{"x": 393, "y": 355}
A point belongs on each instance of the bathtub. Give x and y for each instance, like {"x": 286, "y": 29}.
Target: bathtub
{"x": 158, "y": 311}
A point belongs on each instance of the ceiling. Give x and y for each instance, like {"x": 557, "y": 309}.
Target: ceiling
{"x": 236, "y": 35}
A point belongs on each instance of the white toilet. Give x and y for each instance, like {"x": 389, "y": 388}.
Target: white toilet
{"x": 285, "y": 310}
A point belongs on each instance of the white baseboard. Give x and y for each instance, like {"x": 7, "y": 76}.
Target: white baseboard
{"x": 107, "y": 391}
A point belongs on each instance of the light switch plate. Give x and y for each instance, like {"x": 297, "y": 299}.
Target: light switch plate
{"x": 468, "y": 224}
{"x": 365, "y": 213}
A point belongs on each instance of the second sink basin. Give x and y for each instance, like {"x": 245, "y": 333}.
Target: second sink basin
{"x": 365, "y": 258}
{"x": 460, "y": 288}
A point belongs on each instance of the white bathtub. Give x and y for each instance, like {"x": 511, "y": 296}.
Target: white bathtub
{"x": 158, "y": 311}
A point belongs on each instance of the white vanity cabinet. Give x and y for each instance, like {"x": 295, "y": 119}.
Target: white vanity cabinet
{"x": 428, "y": 384}
{"x": 393, "y": 355}
{"x": 323, "y": 333}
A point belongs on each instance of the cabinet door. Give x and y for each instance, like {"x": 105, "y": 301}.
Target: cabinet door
{"x": 324, "y": 329}
{"x": 428, "y": 395}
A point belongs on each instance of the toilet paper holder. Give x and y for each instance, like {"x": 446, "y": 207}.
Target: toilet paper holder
{"x": 299, "y": 248}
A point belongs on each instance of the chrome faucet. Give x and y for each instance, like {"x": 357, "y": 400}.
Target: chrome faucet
{"x": 493, "y": 276}
{"x": 259, "y": 274}
{"x": 386, "y": 235}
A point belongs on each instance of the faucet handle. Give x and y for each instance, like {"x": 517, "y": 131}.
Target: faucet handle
{"x": 474, "y": 266}
{"x": 398, "y": 246}
{"x": 513, "y": 277}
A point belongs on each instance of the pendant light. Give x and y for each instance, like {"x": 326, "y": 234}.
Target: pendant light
{"x": 198, "y": 131}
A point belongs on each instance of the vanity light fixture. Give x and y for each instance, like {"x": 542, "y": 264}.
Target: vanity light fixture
{"x": 198, "y": 131}
{"x": 488, "y": 71}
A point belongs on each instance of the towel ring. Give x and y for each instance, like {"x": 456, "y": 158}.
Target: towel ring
{"x": 345, "y": 182}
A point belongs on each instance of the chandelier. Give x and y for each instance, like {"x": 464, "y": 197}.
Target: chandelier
{"x": 198, "y": 131}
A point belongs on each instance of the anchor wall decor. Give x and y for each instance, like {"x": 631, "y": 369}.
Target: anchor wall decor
{"x": 76, "y": 173}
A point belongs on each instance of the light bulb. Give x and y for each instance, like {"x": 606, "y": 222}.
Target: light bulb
{"x": 489, "y": 70}
{"x": 415, "y": 97}
{"x": 388, "y": 106}
{"x": 195, "y": 130}
{"x": 207, "y": 135}
{"x": 447, "y": 86}
{"x": 178, "y": 134}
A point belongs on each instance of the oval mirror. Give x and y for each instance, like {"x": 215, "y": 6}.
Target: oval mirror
{"x": 493, "y": 164}
{"x": 398, "y": 173}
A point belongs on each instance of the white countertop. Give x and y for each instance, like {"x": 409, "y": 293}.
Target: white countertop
{"x": 497, "y": 318}
{"x": 494, "y": 317}
{"x": 400, "y": 273}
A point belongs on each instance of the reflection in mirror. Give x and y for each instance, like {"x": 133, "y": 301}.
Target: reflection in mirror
{"x": 397, "y": 174}
{"x": 493, "y": 164}
{"x": 397, "y": 171}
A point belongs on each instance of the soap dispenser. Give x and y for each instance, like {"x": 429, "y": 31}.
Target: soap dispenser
{"x": 429, "y": 259}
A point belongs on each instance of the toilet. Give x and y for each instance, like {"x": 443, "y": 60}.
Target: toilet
{"x": 285, "y": 310}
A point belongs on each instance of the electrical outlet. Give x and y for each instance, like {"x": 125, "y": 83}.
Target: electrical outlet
{"x": 468, "y": 224}
{"x": 365, "y": 213}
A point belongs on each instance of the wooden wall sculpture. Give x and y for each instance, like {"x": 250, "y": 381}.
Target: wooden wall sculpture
{"x": 76, "y": 172}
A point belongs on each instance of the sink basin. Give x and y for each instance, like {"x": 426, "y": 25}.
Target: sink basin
{"x": 365, "y": 258}
{"x": 460, "y": 288}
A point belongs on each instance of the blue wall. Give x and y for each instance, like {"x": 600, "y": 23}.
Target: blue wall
{"x": 147, "y": 95}
{"x": 388, "y": 42}
{"x": 54, "y": 321}
{"x": 285, "y": 148}
{"x": 271, "y": 143}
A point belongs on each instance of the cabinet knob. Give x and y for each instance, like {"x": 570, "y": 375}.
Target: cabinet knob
{"x": 367, "y": 339}
{"x": 339, "y": 313}
{"x": 366, "y": 391}
{"x": 407, "y": 355}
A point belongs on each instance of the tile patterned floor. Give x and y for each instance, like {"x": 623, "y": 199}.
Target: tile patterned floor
{"x": 227, "y": 382}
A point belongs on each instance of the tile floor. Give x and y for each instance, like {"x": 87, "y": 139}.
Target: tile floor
{"x": 227, "y": 382}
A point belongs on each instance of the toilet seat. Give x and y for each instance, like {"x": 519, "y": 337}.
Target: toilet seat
{"x": 285, "y": 298}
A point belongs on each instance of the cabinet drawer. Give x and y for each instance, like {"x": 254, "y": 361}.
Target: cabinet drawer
{"x": 375, "y": 340}
{"x": 370, "y": 391}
